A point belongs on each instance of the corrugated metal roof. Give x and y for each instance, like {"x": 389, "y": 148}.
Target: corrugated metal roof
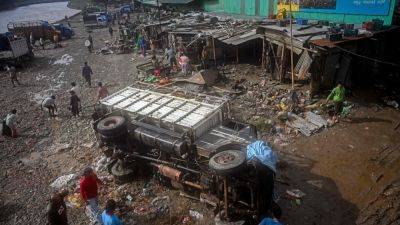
{"x": 154, "y": 2}
{"x": 176, "y": 1}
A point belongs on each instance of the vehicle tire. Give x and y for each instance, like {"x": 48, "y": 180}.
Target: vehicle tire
{"x": 227, "y": 162}
{"x": 111, "y": 126}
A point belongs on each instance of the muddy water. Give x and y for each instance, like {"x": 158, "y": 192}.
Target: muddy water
{"x": 51, "y": 12}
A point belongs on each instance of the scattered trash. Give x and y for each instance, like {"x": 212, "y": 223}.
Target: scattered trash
{"x": 295, "y": 193}
{"x": 160, "y": 205}
{"x": 315, "y": 183}
{"x": 129, "y": 197}
{"x": 262, "y": 152}
{"x": 75, "y": 200}
{"x": 101, "y": 165}
{"x": 60, "y": 147}
{"x": 392, "y": 103}
{"x": 196, "y": 215}
{"x": 62, "y": 181}
{"x": 89, "y": 145}
{"x": 64, "y": 60}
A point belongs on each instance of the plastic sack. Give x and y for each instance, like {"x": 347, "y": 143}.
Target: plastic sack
{"x": 262, "y": 152}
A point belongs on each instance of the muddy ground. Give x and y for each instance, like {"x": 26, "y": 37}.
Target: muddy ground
{"x": 348, "y": 172}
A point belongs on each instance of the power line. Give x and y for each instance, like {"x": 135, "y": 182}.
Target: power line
{"x": 369, "y": 58}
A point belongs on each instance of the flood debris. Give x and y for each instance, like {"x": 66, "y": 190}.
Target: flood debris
{"x": 63, "y": 181}
{"x": 65, "y": 59}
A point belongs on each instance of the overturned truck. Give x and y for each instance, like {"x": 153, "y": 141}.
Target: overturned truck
{"x": 191, "y": 143}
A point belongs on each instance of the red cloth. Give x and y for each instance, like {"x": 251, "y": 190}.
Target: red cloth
{"x": 88, "y": 186}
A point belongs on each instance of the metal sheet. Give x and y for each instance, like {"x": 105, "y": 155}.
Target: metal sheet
{"x": 170, "y": 109}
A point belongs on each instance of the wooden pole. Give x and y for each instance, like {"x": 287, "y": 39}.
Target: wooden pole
{"x": 226, "y": 197}
{"x": 237, "y": 55}
{"x": 291, "y": 43}
{"x": 263, "y": 55}
{"x": 215, "y": 55}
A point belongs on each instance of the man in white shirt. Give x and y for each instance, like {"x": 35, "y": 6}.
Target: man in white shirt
{"x": 75, "y": 88}
{"x": 9, "y": 124}
{"x": 50, "y": 104}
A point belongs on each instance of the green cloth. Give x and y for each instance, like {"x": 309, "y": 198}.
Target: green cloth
{"x": 337, "y": 94}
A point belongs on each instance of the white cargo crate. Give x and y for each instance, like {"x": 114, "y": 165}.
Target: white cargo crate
{"x": 196, "y": 116}
{"x": 19, "y": 47}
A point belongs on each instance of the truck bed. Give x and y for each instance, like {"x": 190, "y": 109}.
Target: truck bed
{"x": 166, "y": 110}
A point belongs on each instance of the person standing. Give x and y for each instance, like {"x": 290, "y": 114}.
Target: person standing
{"x": 337, "y": 96}
{"x": 87, "y": 74}
{"x": 184, "y": 62}
{"x": 56, "y": 40}
{"x": 171, "y": 57}
{"x": 50, "y": 104}
{"x": 41, "y": 42}
{"x": 89, "y": 184}
{"x": 9, "y": 124}
{"x": 75, "y": 88}
{"x": 32, "y": 40}
{"x": 74, "y": 104}
{"x": 90, "y": 39}
{"x": 57, "y": 209}
{"x": 102, "y": 91}
{"x": 110, "y": 30}
{"x": 143, "y": 45}
{"x": 108, "y": 217}
{"x": 12, "y": 72}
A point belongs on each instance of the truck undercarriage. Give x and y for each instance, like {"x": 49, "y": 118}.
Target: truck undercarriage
{"x": 191, "y": 145}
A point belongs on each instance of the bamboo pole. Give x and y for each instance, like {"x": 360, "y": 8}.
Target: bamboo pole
{"x": 215, "y": 55}
{"x": 291, "y": 43}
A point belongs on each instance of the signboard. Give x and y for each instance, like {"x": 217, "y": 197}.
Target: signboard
{"x": 358, "y": 7}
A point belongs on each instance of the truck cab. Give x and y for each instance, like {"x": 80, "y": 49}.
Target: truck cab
{"x": 186, "y": 139}
{"x": 66, "y": 31}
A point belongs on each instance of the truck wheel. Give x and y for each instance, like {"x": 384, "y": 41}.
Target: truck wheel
{"x": 227, "y": 162}
{"x": 112, "y": 125}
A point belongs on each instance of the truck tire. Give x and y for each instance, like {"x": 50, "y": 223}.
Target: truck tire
{"x": 111, "y": 126}
{"x": 227, "y": 162}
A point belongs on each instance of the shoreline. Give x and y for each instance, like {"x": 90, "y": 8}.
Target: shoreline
{"x": 27, "y": 3}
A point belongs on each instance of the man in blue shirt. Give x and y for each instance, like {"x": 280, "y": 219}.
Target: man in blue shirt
{"x": 276, "y": 216}
{"x": 108, "y": 217}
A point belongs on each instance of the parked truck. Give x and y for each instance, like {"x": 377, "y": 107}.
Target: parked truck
{"x": 39, "y": 29}
{"x": 96, "y": 20}
{"x": 190, "y": 143}
{"x": 66, "y": 31}
{"x": 14, "y": 49}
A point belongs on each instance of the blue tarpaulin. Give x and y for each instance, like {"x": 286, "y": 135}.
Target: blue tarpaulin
{"x": 262, "y": 152}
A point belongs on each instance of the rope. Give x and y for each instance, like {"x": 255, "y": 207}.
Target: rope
{"x": 369, "y": 58}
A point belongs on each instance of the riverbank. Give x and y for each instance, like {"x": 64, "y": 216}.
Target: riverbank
{"x": 51, "y": 12}
{"x": 77, "y": 4}
{"x": 19, "y": 3}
